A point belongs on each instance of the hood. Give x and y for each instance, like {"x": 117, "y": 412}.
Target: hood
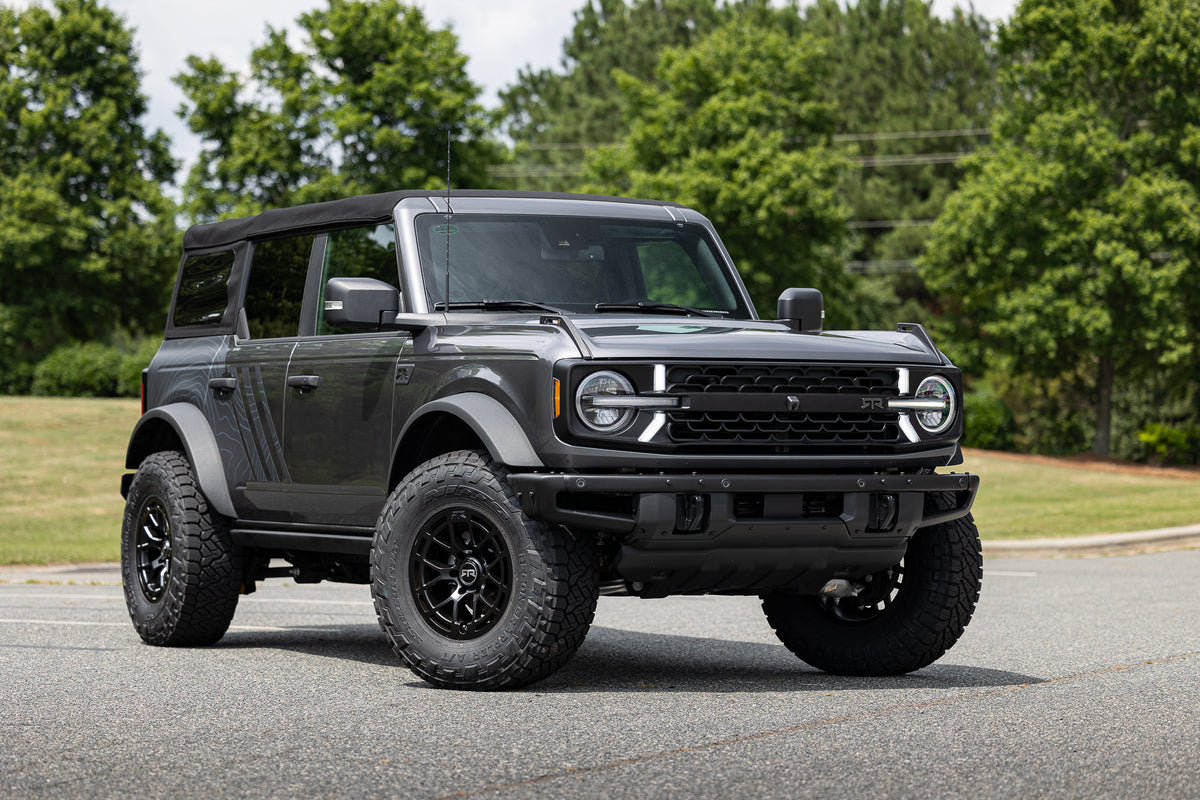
{"x": 653, "y": 337}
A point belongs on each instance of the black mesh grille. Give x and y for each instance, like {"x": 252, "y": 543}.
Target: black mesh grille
{"x": 863, "y": 432}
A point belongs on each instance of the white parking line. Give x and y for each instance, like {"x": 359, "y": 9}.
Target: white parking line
{"x": 119, "y": 597}
{"x": 64, "y": 622}
{"x": 27, "y": 595}
{"x": 126, "y": 624}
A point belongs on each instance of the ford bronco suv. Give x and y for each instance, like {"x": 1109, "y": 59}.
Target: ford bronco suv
{"x": 494, "y": 407}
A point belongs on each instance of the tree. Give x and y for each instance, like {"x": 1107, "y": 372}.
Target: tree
{"x": 896, "y": 67}
{"x": 1074, "y": 244}
{"x": 555, "y": 118}
{"x": 364, "y": 105}
{"x": 87, "y": 238}
{"x": 738, "y": 131}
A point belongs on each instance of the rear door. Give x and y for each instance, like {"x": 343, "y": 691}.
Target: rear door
{"x": 266, "y": 334}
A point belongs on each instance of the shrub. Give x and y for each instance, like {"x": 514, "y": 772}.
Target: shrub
{"x": 91, "y": 369}
{"x": 1167, "y": 444}
{"x": 988, "y": 422}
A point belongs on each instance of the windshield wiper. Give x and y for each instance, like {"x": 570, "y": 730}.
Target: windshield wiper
{"x": 500, "y": 305}
{"x": 648, "y": 307}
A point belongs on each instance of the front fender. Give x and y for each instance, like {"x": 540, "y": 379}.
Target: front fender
{"x": 153, "y": 433}
{"x": 499, "y": 431}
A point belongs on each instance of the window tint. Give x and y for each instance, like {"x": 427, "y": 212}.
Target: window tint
{"x": 276, "y": 286}
{"x": 357, "y": 253}
{"x": 203, "y": 295}
{"x": 572, "y": 263}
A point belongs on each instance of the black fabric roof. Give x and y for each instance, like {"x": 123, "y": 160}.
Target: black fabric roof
{"x": 360, "y": 210}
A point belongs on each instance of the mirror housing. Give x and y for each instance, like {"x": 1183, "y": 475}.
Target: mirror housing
{"x": 802, "y": 310}
{"x": 367, "y": 304}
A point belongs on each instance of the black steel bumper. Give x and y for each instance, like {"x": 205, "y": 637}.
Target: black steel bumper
{"x": 748, "y": 533}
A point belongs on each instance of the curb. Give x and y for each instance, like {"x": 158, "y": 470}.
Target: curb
{"x": 1101, "y": 544}
{"x": 87, "y": 574}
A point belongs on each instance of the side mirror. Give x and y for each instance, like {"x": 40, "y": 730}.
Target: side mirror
{"x": 802, "y": 310}
{"x": 359, "y": 302}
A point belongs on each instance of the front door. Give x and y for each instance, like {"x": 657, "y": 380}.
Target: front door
{"x": 337, "y": 435}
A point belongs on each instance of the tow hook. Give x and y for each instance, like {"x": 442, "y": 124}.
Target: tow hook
{"x": 839, "y": 588}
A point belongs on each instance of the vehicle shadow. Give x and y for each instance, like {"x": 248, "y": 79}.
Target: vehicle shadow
{"x": 618, "y": 660}
{"x": 614, "y": 660}
{"x": 364, "y": 644}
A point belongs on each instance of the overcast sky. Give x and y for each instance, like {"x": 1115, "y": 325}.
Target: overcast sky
{"x": 499, "y": 37}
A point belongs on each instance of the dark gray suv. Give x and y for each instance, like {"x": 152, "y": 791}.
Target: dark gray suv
{"x": 494, "y": 407}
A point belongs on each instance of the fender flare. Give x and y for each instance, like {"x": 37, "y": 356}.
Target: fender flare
{"x": 495, "y": 426}
{"x": 194, "y": 432}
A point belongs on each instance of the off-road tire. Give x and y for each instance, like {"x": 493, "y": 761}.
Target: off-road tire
{"x": 942, "y": 572}
{"x": 551, "y": 582}
{"x": 181, "y": 570}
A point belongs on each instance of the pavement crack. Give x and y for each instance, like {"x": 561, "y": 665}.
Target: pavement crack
{"x": 815, "y": 724}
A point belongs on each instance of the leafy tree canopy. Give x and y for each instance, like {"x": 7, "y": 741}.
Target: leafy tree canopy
{"x": 736, "y": 127}
{"x": 87, "y": 238}
{"x": 895, "y": 67}
{"x": 555, "y": 116}
{"x": 364, "y": 104}
{"x": 1074, "y": 244}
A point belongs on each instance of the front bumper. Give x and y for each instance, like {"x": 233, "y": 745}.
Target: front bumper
{"x": 747, "y": 533}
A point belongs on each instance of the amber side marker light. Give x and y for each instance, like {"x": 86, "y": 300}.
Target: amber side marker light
{"x": 557, "y": 398}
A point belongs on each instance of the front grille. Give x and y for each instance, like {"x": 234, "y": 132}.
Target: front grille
{"x": 876, "y": 431}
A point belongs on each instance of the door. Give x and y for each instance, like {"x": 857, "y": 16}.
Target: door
{"x": 340, "y": 384}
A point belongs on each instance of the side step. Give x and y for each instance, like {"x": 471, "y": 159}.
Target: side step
{"x": 350, "y": 541}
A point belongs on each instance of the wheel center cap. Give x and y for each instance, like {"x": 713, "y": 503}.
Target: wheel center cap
{"x": 469, "y": 573}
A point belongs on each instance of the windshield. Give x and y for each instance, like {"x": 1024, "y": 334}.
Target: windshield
{"x": 574, "y": 263}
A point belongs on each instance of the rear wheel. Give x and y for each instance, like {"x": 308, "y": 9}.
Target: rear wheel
{"x": 902, "y": 618}
{"x": 471, "y": 592}
{"x": 180, "y": 567}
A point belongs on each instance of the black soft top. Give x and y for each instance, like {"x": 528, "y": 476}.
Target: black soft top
{"x": 360, "y": 210}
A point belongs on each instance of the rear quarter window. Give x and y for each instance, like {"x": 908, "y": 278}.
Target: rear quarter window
{"x": 203, "y": 290}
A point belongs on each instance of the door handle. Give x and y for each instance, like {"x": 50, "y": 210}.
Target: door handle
{"x": 222, "y": 384}
{"x": 305, "y": 383}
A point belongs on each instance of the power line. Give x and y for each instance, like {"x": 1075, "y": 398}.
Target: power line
{"x": 891, "y": 136}
{"x": 882, "y": 136}
{"x": 890, "y": 223}
{"x": 865, "y": 162}
{"x": 907, "y": 160}
{"x": 882, "y": 266}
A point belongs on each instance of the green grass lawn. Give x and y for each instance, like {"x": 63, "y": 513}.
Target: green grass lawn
{"x": 1031, "y": 498}
{"x": 61, "y": 462}
{"x": 60, "y": 470}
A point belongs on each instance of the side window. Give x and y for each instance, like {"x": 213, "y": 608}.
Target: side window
{"x": 275, "y": 292}
{"x": 358, "y": 253}
{"x": 670, "y": 275}
{"x": 203, "y": 289}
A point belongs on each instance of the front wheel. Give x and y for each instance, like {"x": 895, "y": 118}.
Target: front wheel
{"x": 471, "y": 592}
{"x": 901, "y": 619}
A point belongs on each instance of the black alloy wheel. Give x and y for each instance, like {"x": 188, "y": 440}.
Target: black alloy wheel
{"x": 153, "y": 548}
{"x": 460, "y": 573}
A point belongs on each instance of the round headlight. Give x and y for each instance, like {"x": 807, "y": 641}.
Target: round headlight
{"x": 599, "y": 417}
{"x": 935, "y": 387}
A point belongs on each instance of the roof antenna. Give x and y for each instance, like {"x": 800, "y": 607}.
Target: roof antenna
{"x": 449, "y": 212}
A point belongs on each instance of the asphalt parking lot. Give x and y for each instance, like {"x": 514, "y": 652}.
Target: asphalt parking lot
{"x": 1077, "y": 678}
